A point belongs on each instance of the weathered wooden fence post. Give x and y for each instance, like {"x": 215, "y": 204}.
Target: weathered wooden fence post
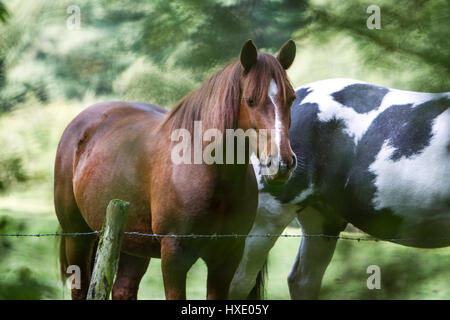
{"x": 108, "y": 250}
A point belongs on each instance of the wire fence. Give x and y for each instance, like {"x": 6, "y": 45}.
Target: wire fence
{"x": 220, "y": 236}
{"x": 363, "y": 237}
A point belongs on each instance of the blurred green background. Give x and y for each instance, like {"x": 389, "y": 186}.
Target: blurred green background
{"x": 156, "y": 52}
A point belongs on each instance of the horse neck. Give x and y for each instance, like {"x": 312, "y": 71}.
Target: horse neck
{"x": 231, "y": 164}
{"x": 229, "y": 168}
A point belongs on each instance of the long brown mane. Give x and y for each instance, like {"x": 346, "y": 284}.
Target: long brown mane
{"x": 216, "y": 102}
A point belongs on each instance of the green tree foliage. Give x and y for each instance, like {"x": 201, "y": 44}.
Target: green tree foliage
{"x": 199, "y": 34}
{"x": 414, "y": 36}
{"x": 11, "y": 171}
{"x": 3, "y": 13}
{"x": 176, "y": 43}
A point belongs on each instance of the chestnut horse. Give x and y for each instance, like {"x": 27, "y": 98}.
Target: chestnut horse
{"x": 123, "y": 150}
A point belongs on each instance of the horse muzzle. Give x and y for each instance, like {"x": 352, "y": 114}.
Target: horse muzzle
{"x": 276, "y": 171}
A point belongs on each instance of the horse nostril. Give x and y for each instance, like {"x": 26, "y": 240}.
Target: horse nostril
{"x": 269, "y": 163}
{"x": 293, "y": 162}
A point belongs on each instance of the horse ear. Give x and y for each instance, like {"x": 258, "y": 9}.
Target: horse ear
{"x": 249, "y": 55}
{"x": 287, "y": 54}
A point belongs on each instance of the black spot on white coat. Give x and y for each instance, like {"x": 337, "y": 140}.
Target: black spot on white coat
{"x": 361, "y": 97}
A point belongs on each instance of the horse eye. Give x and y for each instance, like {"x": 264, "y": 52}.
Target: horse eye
{"x": 250, "y": 102}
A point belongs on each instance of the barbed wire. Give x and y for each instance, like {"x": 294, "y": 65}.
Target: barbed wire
{"x": 55, "y": 234}
{"x": 217, "y": 236}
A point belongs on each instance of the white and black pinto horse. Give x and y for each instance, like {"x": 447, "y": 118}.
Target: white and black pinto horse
{"x": 375, "y": 157}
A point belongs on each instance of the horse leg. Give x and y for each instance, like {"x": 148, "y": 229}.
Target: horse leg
{"x": 129, "y": 274}
{"x": 79, "y": 253}
{"x": 222, "y": 265}
{"x": 314, "y": 254}
{"x": 257, "y": 249}
{"x": 176, "y": 260}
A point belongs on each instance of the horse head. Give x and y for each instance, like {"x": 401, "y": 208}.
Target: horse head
{"x": 266, "y": 99}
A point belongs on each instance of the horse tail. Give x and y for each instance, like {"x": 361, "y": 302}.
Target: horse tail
{"x": 258, "y": 290}
{"x": 63, "y": 265}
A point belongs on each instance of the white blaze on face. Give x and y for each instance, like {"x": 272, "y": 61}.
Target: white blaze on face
{"x": 273, "y": 90}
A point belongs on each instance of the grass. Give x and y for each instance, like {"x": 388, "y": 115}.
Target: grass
{"x": 29, "y": 265}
